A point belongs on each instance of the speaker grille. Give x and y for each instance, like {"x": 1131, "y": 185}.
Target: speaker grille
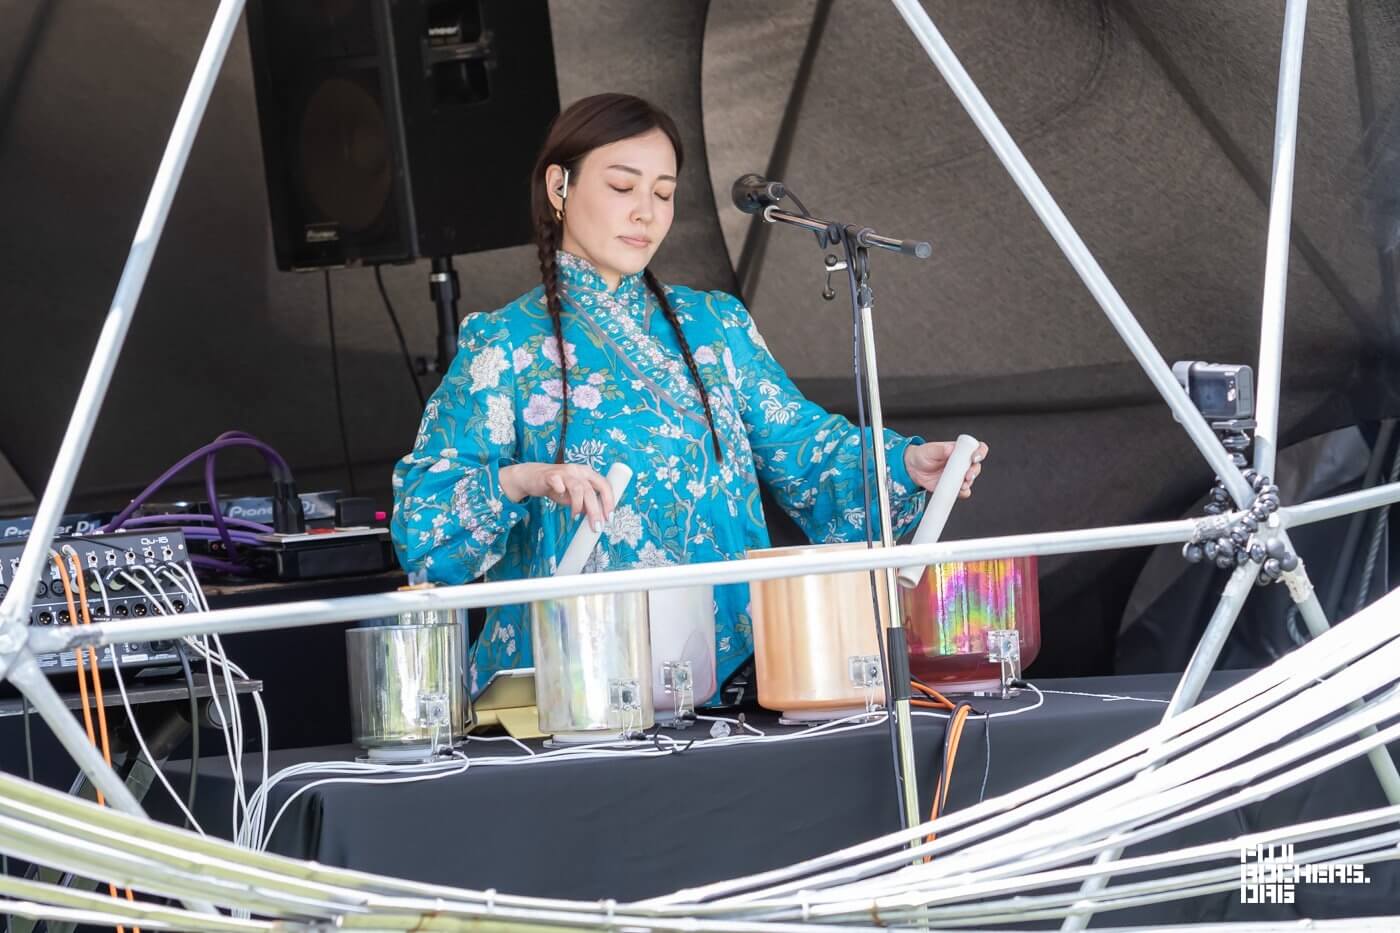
{"x": 344, "y": 162}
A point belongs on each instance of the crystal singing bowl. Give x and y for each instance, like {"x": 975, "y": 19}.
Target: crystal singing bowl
{"x": 682, "y": 632}
{"x": 815, "y": 639}
{"x": 407, "y": 681}
{"x": 950, "y": 612}
{"x": 593, "y": 671}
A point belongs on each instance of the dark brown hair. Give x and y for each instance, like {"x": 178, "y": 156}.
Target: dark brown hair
{"x": 582, "y": 127}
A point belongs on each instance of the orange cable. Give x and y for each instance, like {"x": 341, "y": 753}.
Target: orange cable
{"x": 91, "y": 656}
{"x": 933, "y": 695}
{"x": 955, "y": 726}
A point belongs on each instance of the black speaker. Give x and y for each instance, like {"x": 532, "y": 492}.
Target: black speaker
{"x": 399, "y": 129}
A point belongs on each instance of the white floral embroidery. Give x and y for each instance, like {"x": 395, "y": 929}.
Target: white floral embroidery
{"x": 596, "y": 379}
{"x": 617, "y": 435}
{"x": 541, "y": 408}
{"x": 695, "y": 488}
{"x": 522, "y": 358}
{"x": 550, "y": 349}
{"x": 441, "y": 466}
{"x": 652, "y": 556}
{"x": 553, "y": 388}
{"x": 774, "y": 409}
{"x": 625, "y": 526}
{"x": 731, "y": 371}
{"x": 705, "y": 356}
{"x": 487, "y": 367}
{"x": 500, "y": 419}
{"x": 589, "y": 452}
{"x": 586, "y": 397}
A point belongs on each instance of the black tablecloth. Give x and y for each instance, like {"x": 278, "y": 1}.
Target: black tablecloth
{"x": 634, "y": 828}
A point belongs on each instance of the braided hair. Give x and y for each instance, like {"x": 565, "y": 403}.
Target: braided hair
{"x": 592, "y": 122}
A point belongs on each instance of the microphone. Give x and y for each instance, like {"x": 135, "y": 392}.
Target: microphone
{"x": 752, "y": 193}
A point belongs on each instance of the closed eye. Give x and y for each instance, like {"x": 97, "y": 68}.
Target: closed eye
{"x": 619, "y": 190}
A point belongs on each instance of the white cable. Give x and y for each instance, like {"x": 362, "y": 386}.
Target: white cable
{"x": 191, "y": 587}
{"x": 216, "y": 655}
{"x": 131, "y": 717}
{"x": 743, "y": 724}
{"x": 163, "y": 598}
{"x": 253, "y": 835}
{"x": 1018, "y": 711}
{"x": 231, "y": 723}
{"x": 202, "y": 605}
{"x": 502, "y": 738}
{"x": 1107, "y": 696}
{"x": 461, "y": 768}
{"x": 121, "y": 689}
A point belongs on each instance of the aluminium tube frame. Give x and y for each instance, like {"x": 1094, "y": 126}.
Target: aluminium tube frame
{"x": 14, "y": 611}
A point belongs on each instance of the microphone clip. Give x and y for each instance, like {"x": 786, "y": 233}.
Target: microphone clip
{"x": 832, "y": 265}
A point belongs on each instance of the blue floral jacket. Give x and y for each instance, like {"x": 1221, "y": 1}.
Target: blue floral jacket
{"x": 631, "y": 400}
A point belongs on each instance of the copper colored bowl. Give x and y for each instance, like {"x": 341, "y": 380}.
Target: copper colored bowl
{"x": 814, "y": 639}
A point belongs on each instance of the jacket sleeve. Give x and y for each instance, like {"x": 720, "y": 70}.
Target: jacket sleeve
{"x": 808, "y": 457}
{"x": 451, "y": 518}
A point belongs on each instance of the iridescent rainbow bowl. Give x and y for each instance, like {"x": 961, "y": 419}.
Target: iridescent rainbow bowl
{"x": 949, "y": 613}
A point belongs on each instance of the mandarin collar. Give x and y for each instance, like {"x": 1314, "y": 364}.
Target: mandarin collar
{"x": 579, "y": 274}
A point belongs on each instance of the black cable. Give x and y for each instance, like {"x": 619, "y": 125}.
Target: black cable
{"x": 29, "y": 762}
{"x": 945, "y": 778}
{"x": 987, "y": 740}
{"x": 398, "y": 332}
{"x": 944, "y": 787}
{"x": 28, "y": 739}
{"x": 800, "y": 206}
{"x": 335, "y": 378}
{"x": 194, "y": 729}
{"x": 858, "y": 370}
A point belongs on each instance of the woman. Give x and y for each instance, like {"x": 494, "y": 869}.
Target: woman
{"x": 601, "y": 364}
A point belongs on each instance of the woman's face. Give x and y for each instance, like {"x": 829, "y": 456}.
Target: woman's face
{"x": 620, "y": 203}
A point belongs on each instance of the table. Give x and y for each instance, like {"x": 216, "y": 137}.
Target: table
{"x": 635, "y": 828}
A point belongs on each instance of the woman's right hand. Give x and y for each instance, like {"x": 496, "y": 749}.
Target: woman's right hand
{"x": 581, "y": 488}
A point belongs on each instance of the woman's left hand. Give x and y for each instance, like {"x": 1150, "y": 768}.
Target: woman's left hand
{"x": 925, "y": 463}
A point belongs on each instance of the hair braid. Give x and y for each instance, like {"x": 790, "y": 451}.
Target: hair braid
{"x": 547, "y": 240}
{"x": 655, "y": 287}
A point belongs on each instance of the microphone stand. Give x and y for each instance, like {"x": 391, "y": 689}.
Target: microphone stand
{"x": 857, "y": 242}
